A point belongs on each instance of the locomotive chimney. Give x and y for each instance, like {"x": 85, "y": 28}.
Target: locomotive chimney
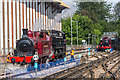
{"x": 25, "y": 32}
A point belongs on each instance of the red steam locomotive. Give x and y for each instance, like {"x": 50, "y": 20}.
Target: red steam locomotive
{"x": 104, "y": 44}
{"x": 47, "y": 46}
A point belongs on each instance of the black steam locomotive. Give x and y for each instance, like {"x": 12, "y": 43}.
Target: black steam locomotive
{"x": 39, "y": 42}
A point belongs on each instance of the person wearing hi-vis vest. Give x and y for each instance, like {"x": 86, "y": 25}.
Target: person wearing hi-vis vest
{"x": 66, "y": 53}
{"x": 72, "y": 55}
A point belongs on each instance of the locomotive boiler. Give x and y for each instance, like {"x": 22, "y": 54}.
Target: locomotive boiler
{"x": 39, "y": 42}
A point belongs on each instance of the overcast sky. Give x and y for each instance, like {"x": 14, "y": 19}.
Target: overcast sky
{"x": 72, "y": 9}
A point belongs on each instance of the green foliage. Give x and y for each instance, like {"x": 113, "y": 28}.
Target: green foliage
{"x": 117, "y": 10}
{"x": 94, "y": 10}
{"x": 98, "y": 34}
{"x": 117, "y": 24}
{"x": 85, "y": 27}
{"x": 93, "y": 18}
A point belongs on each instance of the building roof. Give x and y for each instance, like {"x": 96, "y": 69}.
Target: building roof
{"x": 111, "y": 35}
{"x": 61, "y": 3}
{"x": 58, "y": 3}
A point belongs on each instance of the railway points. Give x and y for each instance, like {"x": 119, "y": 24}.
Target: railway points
{"x": 65, "y": 68}
{"x": 20, "y": 70}
{"x": 78, "y": 72}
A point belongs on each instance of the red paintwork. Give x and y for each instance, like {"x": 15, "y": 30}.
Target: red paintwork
{"x": 42, "y": 46}
{"x": 53, "y": 56}
{"x": 30, "y": 34}
{"x": 107, "y": 39}
{"x": 20, "y": 59}
{"x": 105, "y": 47}
{"x": 36, "y": 34}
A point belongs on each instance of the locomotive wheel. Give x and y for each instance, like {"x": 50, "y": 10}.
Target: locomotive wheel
{"x": 39, "y": 60}
{"x": 62, "y": 56}
{"x": 32, "y": 61}
{"x": 18, "y": 62}
{"x": 13, "y": 60}
{"x": 23, "y": 62}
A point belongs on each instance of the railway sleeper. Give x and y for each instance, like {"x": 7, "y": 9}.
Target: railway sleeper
{"x": 95, "y": 62}
{"x": 109, "y": 70}
{"x": 98, "y": 61}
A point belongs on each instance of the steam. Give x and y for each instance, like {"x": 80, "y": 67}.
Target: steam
{"x": 38, "y": 25}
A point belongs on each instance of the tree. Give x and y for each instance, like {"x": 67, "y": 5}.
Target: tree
{"x": 118, "y": 27}
{"x": 85, "y": 27}
{"x": 94, "y": 10}
{"x": 117, "y": 10}
{"x": 93, "y": 18}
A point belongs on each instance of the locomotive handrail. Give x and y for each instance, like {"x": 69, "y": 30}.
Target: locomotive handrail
{"x": 46, "y": 41}
{"x": 79, "y": 52}
{"x": 77, "y": 49}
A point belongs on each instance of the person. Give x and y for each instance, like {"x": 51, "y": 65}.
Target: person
{"x": 72, "y": 55}
{"x": 66, "y": 53}
{"x": 47, "y": 63}
{"x": 47, "y": 36}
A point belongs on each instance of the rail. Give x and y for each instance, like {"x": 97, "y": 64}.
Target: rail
{"x": 64, "y": 65}
{"x": 75, "y": 72}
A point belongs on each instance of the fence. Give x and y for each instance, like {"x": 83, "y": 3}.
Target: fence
{"x": 46, "y": 68}
{"x": 4, "y": 52}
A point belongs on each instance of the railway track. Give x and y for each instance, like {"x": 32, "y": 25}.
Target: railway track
{"x": 79, "y": 66}
{"x": 110, "y": 71}
{"x": 8, "y": 74}
{"x": 68, "y": 51}
{"x": 84, "y": 68}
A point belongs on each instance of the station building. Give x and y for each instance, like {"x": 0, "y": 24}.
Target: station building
{"x": 16, "y": 15}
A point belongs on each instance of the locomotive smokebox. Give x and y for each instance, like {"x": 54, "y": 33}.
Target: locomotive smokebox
{"x": 25, "y": 32}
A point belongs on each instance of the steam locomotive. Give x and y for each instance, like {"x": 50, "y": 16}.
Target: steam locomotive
{"x": 109, "y": 40}
{"x": 104, "y": 44}
{"x": 50, "y": 44}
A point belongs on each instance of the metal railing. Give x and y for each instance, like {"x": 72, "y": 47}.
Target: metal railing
{"x": 46, "y": 68}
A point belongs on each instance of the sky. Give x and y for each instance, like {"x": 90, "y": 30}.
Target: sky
{"x": 73, "y": 8}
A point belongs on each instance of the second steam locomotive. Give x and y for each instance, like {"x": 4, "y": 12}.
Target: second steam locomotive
{"x": 46, "y": 44}
{"x": 104, "y": 44}
{"x": 109, "y": 40}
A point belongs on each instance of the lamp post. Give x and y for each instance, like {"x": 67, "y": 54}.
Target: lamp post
{"x": 71, "y": 30}
{"x": 93, "y": 40}
{"x": 89, "y": 40}
{"x": 77, "y": 33}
